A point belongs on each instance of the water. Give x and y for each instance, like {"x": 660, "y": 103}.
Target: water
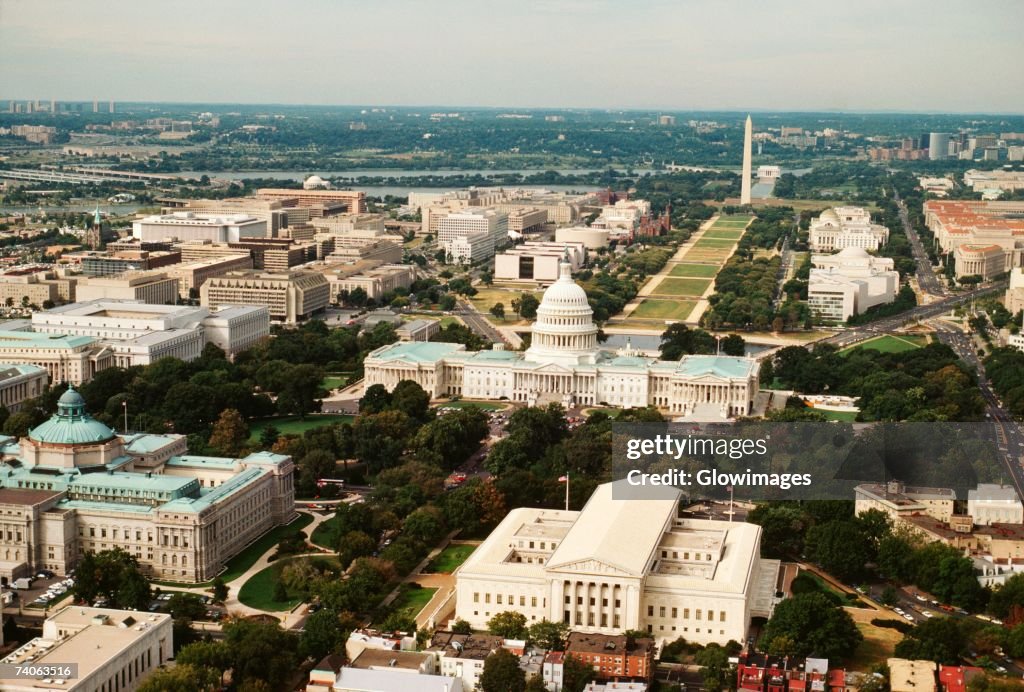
{"x": 77, "y": 207}
{"x": 393, "y": 173}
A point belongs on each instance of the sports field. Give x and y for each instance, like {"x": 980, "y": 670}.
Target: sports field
{"x": 891, "y": 343}
{"x": 698, "y": 270}
{"x": 664, "y": 309}
{"x": 681, "y": 287}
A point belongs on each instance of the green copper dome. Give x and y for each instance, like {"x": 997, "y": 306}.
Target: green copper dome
{"x": 71, "y": 424}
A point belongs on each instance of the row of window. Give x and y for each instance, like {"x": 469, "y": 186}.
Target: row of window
{"x": 698, "y": 613}
{"x": 511, "y": 600}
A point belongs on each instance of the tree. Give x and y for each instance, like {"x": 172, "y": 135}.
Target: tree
{"x": 811, "y": 625}
{"x": 375, "y": 399}
{"x": 269, "y": 435}
{"x": 460, "y": 626}
{"x": 220, "y": 590}
{"x": 840, "y": 547}
{"x": 714, "y": 662}
{"x": 411, "y": 399}
{"x": 115, "y": 575}
{"x": 1009, "y": 594}
{"x": 447, "y": 302}
{"x": 527, "y": 306}
{"x": 549, "y": 635}
{"x": 300, "y": 391}
{"x": 354, "y": 545}
{"x": 322, "y": 635}
{"x": 280, "y": 592}
{"x": 186, "y": 605}
{"x": 679, "y": 340}
{"x": 181, "y": 678}
{"x": 260, "y": 651}
{"x": 230, "y": 433}
{"x": 502, "y": 673}
{"x": 939, "y": 639}
{"x": 498, "y": 310}
{"x": 508, "y": 624}
{"x": 734, "y": 345}
{"x": 576, "y": 674}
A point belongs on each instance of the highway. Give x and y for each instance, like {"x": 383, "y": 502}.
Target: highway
{"x": 926, "y": 278}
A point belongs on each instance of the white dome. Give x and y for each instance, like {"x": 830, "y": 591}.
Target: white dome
{"x": 313, "y": 182}
{"x": 829, "y": 216}
{"x": 564, "y": 331}
{"x": 565, "y": 293}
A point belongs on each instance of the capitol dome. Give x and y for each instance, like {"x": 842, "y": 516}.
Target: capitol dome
{"x": 829, "y": 216}
{"x": 564, "y": 331}
{"x": 71, "y": 425}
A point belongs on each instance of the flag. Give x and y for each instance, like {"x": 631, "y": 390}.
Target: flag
{"x": 563, "y": 479}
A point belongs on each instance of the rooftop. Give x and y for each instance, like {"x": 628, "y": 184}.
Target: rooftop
{"x": 358, "y": 680}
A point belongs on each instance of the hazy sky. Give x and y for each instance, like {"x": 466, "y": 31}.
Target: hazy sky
{"x": 936, "y": 55}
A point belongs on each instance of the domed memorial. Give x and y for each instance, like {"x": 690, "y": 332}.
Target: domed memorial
{"x": 566, "y": 364}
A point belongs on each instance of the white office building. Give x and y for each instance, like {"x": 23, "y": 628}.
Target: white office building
{"x": 141, "y": 333}
{"x": 537, "y": 261}
{"x": 850, "y": 282}
{"x": 190, "y": 225}
{"x": 842, "y": 227}
{"x": 622, "y": 564}
{"x": 473, "y": 234}
{"x": 993, "y": 503}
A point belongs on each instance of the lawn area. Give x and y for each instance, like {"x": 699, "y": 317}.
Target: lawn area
{"x": 705, "y": 254}
{"x": 682, "y": 287}
{"x": 237, "y": 565}
{"x": 714, "y": 242}
{"x": 891, "y": 343}
{"x": 665, "y": 309}
{"x": 488, "y": 296}
{"x": 483, "y": 405}
{"x": 258, "y": 591}
{"x": 727, "y": 234}
{"x": 449, "y": 319}
{"x": 411, "y": 600}
{"x": 450, "y": 558}
{"x": 842, "y": 416}
{"x": 293, "y": 425}
{"x": 331, "y": 382}
{"x": 878, "y": 644}
{"x": 695, "y": 270}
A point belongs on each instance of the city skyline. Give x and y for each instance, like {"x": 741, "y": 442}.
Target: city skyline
{"x": 874, "y": 57}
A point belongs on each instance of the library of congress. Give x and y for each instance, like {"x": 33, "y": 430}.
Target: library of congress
{"x": 73, "y": 485}
{"x": 564, "y": 364}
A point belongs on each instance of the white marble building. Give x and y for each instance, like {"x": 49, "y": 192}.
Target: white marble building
{"x": 842, "y": 227}
{"x": 849, "y": 282}
{"x": 565, "y": 364}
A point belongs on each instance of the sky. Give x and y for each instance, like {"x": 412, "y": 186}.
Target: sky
{"x": 787, "y": 55}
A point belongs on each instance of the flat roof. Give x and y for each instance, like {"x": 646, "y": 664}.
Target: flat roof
{"x": 25, "y": 496}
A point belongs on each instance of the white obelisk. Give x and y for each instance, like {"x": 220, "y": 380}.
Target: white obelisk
{"x": 748, "y": 135}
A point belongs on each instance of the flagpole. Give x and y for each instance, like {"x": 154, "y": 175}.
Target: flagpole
{"x": 567, "y": 491}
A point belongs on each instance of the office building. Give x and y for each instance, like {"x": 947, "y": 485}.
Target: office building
{"x": 992, "y": 503}
{"x": 140, "y": 333}
{"x": 938, "y": 145}
{"x": 985, "y": 238}
{"x": 850, "y": 282}
{"x": 73, "y": 359}
{"x": 537, "y": 261}
{"x": 899, "y": 500}
{"x": 1014, "y": 298}
{"x": 347, "y": 249}
{"x": 77, "y": 486}
{"x": 111, "y": 649}
{"x": 291, "y": 297}
{"x": 564, "y": 364}
{"x": 372, "y": 277}
{"x": 36, "y": 285}
{"x": 192, "y": 275}
{"x": 621, "y": 565}
{"x": 21, "y": 383}
{"x": 154, "y": 287}
{"x": 526, "y": 220}
{"x": 417, "y": 330}
{"x": 106, "y": 264}
{"x": 1004, "y": 181}
{"x": 472, "y": 235}
{"x": 189, "y": 225}
{"x": 353, "y": 200}
{"x": 843, "y": 227}
{"x": 592, "y": 238}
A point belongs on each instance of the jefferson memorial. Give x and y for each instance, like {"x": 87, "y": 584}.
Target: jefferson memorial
{"x": 565, "y": 364}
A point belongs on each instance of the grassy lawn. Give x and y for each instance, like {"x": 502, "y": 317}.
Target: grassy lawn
{"x": 697, "y": 270}
{"x": 450, "y": 558}
{"x": 293, "y": 425}
{"x": 488, "y": 296}
{"x": 682, "y": 287}
{"x": 483, "y": 405}
{"x": 237, "y": 565}
{"x": 714, "y": 243}
{"x": 258, "y": 591}
{"x": 325, "y": 533}
{"x": 331, "y": 382}
{"x": 878, "y": 644}
{"x": 665, "y": 309}
{"x": 411, "y": 601}
{"x": 727, "y": 234}
{"x": 448, "y": 319}
{"x": 891, "y": 343}
{"x": 708, "y": 254}
{"x": 842, "y": 416}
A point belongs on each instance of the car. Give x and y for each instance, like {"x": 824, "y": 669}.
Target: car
{"x": 165, "y": 596}
{"x": 921, "y": 598}
{"x": 898, "y": 610}
{"x": 927, "y": 613}
{"x": 908, "y": 617}
{"x": 1001, "y": 669}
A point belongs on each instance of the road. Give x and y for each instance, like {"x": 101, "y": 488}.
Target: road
{"x": 921, "y": 312}
{"x": 478, "y": 323}
{"x": 1008, "y": 432}
{"x": 926, "y": 278}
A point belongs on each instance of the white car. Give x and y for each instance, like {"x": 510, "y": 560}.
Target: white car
{"x": 928, "y": 613}
{"x": 908, "y": 617}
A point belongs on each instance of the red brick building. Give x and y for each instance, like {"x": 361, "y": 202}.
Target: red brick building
{"x": 613, "y": 657}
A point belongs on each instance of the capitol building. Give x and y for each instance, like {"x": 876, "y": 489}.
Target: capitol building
{"x": 74, "y": 486}
{"x": 564, "y": 364}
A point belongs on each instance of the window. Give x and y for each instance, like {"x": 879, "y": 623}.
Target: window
{"x": 721, "y": 616}
{"x": 698, "y": 613}
{"x": 476, "y": 597}
{"x": 661, "y": 612}
{"x": 650, "y": 611}
{"x": 675, "y": 613}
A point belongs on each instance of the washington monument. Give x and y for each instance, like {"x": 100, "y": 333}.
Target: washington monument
{"x": 745, "y": 181}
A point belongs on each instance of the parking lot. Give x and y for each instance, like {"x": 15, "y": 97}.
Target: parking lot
{"x": 45, "y": 591}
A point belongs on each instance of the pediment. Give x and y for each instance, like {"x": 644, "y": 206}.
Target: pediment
{"x": 591, "y": 566}
{"x": 554, "y": 368}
